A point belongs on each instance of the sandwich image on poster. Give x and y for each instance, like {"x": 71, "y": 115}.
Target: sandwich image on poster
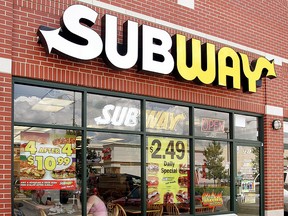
{"x": 182, "y": 196}
{"x": 153, "y": 196}
{"x": 152, "y": 181}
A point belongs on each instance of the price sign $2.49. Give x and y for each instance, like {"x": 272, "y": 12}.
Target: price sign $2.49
{"x": 162, "y": 150}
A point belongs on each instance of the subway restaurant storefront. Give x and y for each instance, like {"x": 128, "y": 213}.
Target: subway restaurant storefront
{"x": 137, "y": 151}
{"x": 113, "y": 112}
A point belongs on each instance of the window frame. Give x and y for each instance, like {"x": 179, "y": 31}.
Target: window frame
{"x": 144, "y": 134}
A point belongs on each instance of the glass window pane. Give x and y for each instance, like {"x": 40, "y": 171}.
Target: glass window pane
{"x": 113, "y": 163}
{"x": 248, "y": 180}
{"x": 286, "y": 180}
{"x": 211, "y": 123}
{"x": 113, "y": 113}
{"x": 212, "y": 176}
{"x": 285, "y": 129}
{"x": 45, "y": 171}
{"x": 167, "y": 118}
{"x": 46, "y": 105}
{"x": 246, "y": 127}
{"x": 168, "y": 171}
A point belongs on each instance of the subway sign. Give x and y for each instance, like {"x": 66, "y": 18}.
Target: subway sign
{"x": 152, "y": 50}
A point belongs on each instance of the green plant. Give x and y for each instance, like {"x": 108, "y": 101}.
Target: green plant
{"x": 214, "y": 162}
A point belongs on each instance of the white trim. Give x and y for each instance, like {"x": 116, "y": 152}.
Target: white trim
{"x": 273, "y": 110}
{"x": 186, "y": 3}
{"x": 277, "y": 59}
{"x": 278, "y": 212}
{"x": 5, "y": 65}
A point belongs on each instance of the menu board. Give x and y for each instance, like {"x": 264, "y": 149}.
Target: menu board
{"x": 167, "y": 170}
{"x": 47, "y": 161}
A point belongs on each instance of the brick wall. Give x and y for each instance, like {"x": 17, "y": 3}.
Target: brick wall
{"x": 30, "y": 60}
{"x": 257, "y": 24}
{"x": 5, "y": 140}
{"x": 273, "y": 165}
{"x": 6, "y": 25}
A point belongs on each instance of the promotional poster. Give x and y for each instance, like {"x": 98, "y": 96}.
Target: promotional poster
{"x": 47, "y": 161}
{"x": 167, "y": 163}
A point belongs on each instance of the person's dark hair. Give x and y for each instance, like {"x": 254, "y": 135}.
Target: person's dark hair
{"x": 92, "y": 191}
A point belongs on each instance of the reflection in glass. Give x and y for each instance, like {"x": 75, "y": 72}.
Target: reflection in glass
{"x": 45, "y": 170}
{"x": 113, "y": 113}
{"x": 285, "y": 179}
{"x": 167, "y": 118}
{"x": 113, "y": 163}
{"x": 248, "y": 180}
{"x": 212, "y": 176}
{"x": 246, "y": 127}
{"x": 211, "y": 123}
{"x": 285, "y": 129}
{"x": 46, "y": 105}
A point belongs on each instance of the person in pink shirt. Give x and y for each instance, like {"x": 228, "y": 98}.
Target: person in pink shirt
{"x": 95, "y": 205}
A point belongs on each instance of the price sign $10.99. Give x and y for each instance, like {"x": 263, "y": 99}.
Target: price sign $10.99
{"x": 167, "y": 149}
{"x": 57, "y": 157}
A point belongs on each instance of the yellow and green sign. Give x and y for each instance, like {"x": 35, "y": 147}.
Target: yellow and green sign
{"x": 167, "y": 164}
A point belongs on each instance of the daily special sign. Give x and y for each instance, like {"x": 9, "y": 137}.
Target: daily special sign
{"x": 153, "y": 50}
{"x": 168, "y": 163}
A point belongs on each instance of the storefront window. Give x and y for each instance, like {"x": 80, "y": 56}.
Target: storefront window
{"x": 212, "y": 176}
{"x": 168, "y": 171}
{"x": 54, "y": 166}
{"x": 211, "y": 124}
{"x": 166, "y": 118}
{"x": 45, "y": 170}
{"x": 114, "y": 169}
{"x": 285, "y": 129}
{"x": 248, "y": 181}
{"x": 46, "y": 105}
{"x": 113, "y": 113}
{"x": 246, "y": 127}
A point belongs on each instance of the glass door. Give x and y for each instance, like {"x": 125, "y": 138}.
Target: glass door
{"x": 248, "y": 180}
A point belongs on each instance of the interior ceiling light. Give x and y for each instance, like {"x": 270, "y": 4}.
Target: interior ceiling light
{"x": 37, "y": 129}
{"x": 20, "y": 128}
{"x": 30, "y": 129}
{"x": 112, "y": 140}
{"x": 51, "y": 104}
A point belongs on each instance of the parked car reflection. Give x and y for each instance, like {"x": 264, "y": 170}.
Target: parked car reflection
{"x": 133, "y": 198}
{"x": 114, "y": 186}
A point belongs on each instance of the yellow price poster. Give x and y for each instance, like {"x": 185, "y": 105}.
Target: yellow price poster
{"x": 167, "y": 170}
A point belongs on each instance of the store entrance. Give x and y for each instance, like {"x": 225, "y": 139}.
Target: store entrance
{"x": 248, "y": 181}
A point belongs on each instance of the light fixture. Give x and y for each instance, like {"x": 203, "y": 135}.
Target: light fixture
{"x": 51, "y": 104}
{"x": 39, "y": 130}
{"x": 21, "y": 128}
{"x": 111, "y": 140}
{"x": 276, "y": 124}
